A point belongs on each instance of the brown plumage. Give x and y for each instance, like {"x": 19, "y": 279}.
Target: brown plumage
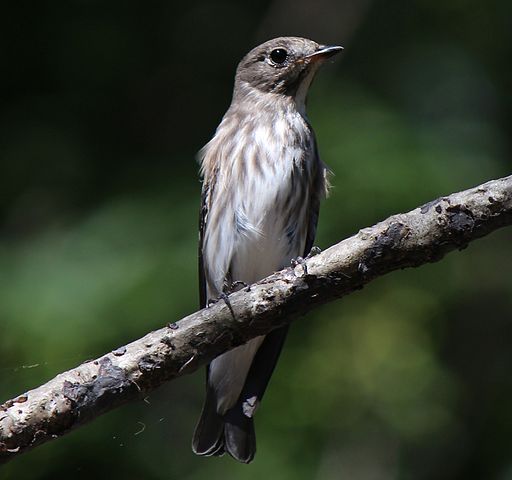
{"x": 262, "y": 186}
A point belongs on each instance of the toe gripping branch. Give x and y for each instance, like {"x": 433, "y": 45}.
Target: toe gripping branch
{"x": 225, "y": 297}
{"x": 302, "y": 261}
{"x": 228, "y": 290}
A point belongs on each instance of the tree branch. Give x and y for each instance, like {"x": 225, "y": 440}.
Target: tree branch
{"x": 423, "y": 235}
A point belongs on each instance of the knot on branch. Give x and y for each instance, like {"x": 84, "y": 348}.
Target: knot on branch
{"x": 110, "y": 381}
{"x": 460, "y": 222}
{"x": 384, "y": 244}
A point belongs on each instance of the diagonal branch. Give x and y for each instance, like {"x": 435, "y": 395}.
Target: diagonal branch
{"x": 423, "y": 235}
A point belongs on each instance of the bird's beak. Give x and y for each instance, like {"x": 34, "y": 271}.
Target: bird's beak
{"x": 324, "y": 52}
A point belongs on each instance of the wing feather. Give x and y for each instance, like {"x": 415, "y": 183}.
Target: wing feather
{"x": 203, "y": 214}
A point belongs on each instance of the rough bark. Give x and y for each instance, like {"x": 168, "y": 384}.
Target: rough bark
{"x": 423, "y": 235}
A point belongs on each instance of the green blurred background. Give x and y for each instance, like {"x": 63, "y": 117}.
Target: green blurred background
{"x": 103, "y": 106}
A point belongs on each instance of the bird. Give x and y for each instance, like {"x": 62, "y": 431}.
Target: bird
{"x": 262, "y": 183}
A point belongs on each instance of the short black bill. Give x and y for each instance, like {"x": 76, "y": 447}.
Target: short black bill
{"x": 326, "y": 51}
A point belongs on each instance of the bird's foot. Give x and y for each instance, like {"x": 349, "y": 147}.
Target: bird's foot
{"x": 238, "y": 283}
{"x": 235, "y": 286}
{"x": 225, "y": 297}
{"x": 313, "y": 252}
{"x": 299, "y": 261}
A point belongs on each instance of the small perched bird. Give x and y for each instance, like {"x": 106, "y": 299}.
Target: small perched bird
{"x": 262, "y": 185}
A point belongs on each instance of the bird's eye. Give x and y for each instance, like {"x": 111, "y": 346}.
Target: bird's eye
{"x": 278, "y": 56}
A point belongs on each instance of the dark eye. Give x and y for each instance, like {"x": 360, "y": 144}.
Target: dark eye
{"x": 279, "y": 55}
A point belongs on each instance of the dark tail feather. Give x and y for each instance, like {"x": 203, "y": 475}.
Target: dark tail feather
{"x": 209, "y": 434}
{"x": 232, "y": 432}
{"x": 239, "y": 435}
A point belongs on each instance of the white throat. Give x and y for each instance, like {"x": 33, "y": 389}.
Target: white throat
{"x": 302, "y": 91}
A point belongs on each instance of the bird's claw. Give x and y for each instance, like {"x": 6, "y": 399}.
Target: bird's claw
{"x": 313, "y": 252}
{"x": 239, "y": 283}
{"x": 295, "y": 262}
{"x": 222, "y": 296}
{"x": 225, "y": 297}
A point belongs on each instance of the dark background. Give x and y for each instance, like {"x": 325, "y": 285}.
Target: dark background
{"x": 103, "y": 107}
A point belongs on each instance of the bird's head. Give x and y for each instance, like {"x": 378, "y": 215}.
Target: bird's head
{"x": 284, "y": 65}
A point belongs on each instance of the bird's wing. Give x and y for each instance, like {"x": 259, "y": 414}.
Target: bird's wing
{"x": 203, "y": 212}
{"x": 314, "y": 208}
{"x": 217, "y": 433}
{"x": 317, "y": 193}
{"x": 208, "y": 435}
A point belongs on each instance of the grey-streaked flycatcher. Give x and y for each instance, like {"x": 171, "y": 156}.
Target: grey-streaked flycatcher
{"x": 262, "y": 185}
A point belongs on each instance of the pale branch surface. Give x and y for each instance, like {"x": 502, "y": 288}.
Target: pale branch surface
{"x": 411, "y": 239}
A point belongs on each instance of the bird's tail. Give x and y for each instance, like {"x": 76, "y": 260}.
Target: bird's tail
{"x": 232, "y": 432}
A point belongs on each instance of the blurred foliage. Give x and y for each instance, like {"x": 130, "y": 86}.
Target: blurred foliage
{"x": 103, "y": 109}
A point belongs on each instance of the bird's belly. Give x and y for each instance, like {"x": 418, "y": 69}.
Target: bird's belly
{"x": 269, "y": 245}
{"x": 259, "y": 216}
